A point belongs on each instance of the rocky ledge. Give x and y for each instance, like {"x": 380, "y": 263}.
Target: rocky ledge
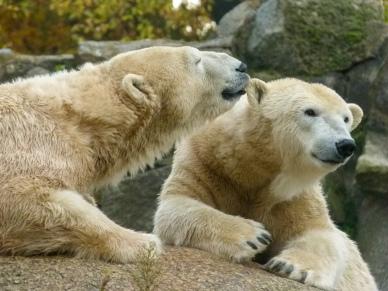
{"x": 177, "y": 269}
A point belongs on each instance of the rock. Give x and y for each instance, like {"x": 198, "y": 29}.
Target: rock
{"x": 373, "y": 237}
{"x": 311, "y": 36}
{"x": 179, "y": 269}
{"x": 372, "y": 178}
{"x": 94, "y": 51}
{"x": 237, "y": 18}
{"x": 372, "y": 166}
{"x": 334, "y": 80}
{"x": 14, "y": 65}
{"x": 133, "y": 202}
{"x": 36, "y": 71}
{"x": 221, "y": 7}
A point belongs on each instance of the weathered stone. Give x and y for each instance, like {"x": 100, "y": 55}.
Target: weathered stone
{"x": 361, "y": 79}
{"x": 15, "y": 65}
{"x": 335, "y": 81}
{"x": 93, "y": 51}
{"x": 133, "y": 202}
{"x": 313, "y": 36}
{"x": 36, "y": 71}
{"x": 180, "y": 269}
{"x": 237, "y": 18}
{"x": 373, "y": 237}
{"x": 372, "y": 166}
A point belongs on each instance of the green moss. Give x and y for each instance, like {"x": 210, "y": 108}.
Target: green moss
{"x": 329, "y": 35}
{"x": 59, "y": 67}
{"x": 386, "y": 11}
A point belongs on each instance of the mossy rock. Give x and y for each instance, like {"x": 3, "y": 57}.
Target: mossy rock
{"x": 314, "y": 36}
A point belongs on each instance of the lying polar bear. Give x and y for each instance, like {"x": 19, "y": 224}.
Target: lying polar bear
{"x": 262, "y": 165}
{"x": 63, "y": 136}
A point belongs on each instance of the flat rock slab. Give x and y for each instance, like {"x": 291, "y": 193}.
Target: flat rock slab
{"x": 179, "y": 269}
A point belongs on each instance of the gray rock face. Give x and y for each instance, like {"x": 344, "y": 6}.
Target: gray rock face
{"x": 372, "y": 166}
{"x": 133, "y": 202}
{"x": 372, "y": 178}
{"x": 14, "y": 65}
{"x": 237, "y": 18}
{"x": 311, "y": 36}
{"x": 93, "y": 51}
{"x": 373, "y": 237}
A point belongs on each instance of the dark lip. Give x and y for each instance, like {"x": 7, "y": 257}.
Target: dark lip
{"x": 238, "y": 91}
{"x": 330, "y": 162}
{"x": 230, "y": 95}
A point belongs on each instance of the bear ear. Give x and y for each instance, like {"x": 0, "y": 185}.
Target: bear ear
{"x": 137, "y": 88}
{"x": 357, "y": 114}
{"x": 256, "y": 89}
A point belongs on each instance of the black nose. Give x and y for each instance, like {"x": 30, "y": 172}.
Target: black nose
{"x": 242, "y": 68}
{"x": 346, "y": 147}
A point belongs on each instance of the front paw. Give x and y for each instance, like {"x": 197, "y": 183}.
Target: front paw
{"x": 287, "y": 268}
{"x": 248, "y": 239}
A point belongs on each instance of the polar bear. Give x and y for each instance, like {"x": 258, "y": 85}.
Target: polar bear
{"x": 65, "y": 135}
{"x": 260, "y": 165}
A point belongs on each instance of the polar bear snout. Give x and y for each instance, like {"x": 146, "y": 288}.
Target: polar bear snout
{"x": 334, "y": 152}
{"x": 242, "y": 68}
{"x": 236, "y": 86}
{"x": 345, "y": 148}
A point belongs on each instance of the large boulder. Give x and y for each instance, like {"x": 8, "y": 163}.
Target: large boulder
{"x": 13, "y": 65}
{"x": 373, "y": 237}
{"x": 133, "y": 202}
{"x": 372, "y": 177}
{"x": 308, "y": 36}
{"x": 177, "y": 269}
{"x": 94, "y": 51}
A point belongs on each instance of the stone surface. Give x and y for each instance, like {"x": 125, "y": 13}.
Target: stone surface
{"x": 372, "y": 166}
{"x": 237, "y": 18}
{"x": 312, "y": 36}
{"x": 133, "y": 202}
{"x": 373, "y": 237}
{"x": 180, "y": 269}
{"x": 93, "y": 51}
{"x": 14, "y": 65}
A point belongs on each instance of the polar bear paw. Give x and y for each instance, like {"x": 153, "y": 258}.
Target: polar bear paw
{"x": 249, "y": 239}
{"x": 297, "y": 272}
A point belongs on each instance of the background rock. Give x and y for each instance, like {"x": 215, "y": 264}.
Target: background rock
{"x": 93, "y": 51}
{"x": 133, "y": 202}
{"x": 14, "y": 65}
{"x": 180, "y": 269}
{"x": 308, "y": 36}
{"x": 373, "y": 237}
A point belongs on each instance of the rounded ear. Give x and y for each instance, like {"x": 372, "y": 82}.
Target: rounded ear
{"x": 137, "y": 88}
{"x": 256, "y": 90}
{"x": 357, "y": 114}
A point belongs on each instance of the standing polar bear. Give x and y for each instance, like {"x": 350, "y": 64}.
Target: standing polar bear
{"x": 261, "y": 165}
{"x": 65, "y": 135}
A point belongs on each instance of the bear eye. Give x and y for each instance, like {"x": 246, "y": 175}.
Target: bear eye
{"x": 346, "y": 119}
{"x": 311, "y": 112}
{"x": 197, "y": 61}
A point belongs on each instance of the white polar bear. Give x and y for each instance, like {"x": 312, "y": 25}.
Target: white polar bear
{"x": 64, "y": 135}
{"x": 261, "y": 165}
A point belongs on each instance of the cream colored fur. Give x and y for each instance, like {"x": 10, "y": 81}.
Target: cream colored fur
{"x": 253, "y": 166}
{"x": 62, "y": 136}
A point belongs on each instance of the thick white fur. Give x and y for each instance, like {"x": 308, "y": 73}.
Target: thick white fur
{"x": 255, "y": 164}
{"x": 63, "y": 136}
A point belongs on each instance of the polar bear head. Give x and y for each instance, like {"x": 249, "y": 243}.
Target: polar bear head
{"x": 311, "y": 123}
{"x": 193, "y": 85}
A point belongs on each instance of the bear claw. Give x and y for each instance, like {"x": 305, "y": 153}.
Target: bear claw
{"x": 286, "y": 269}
